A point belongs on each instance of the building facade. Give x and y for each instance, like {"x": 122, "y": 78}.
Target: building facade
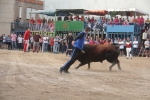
{"x": 11, "y": 9}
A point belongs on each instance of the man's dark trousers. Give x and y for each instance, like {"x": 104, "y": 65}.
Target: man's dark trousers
{"x": 74, "y": 56}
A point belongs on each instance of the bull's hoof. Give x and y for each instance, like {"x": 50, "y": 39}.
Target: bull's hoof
{"x": 76, "y": 67}
{"x": 88, "y": 68}
{"x": 109, "y": 69}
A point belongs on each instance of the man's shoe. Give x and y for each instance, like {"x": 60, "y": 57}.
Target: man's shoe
{"x": 66, "y": 71}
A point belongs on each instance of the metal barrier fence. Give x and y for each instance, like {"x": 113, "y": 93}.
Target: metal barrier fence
{"x": 15, "y": 26}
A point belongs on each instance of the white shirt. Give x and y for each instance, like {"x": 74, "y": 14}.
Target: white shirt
{"x": 4, "y": 38}
{"x": 89, "y": 24}
{"x": 56, "y": 41}
{"x": 31, "y": 39}
{"x": 121, "y": 45}
{"x": 135, "y": 44}
{"x": 86, "y": 42}
{"x": 147, "y": 44}
{"x": 115, "y": 41}
{"x": 45, "y": 39}
{"x": 20, "y": 39}
{"x": 144, "y": 36}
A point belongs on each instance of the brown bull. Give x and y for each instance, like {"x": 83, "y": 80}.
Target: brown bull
{"x": 98, "y": 53}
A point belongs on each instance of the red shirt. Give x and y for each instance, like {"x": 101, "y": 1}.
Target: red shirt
{"x": 116, "y": 20}
{"x": 110, "y": 23}
{"x": 39, "y": 21}
{"x": 32, "y": 21}
{"x": 27, "y": 35}
{"x": 106, "y": 42}
{"x": 128, "y": 45}
{"x": 36, "y": 38}
{"x": 82, "y": 18}
{"x": 52, "y": 42}
{"x": 91, "y": 42}
{"x": 142, "y": 20}
{"x": 139, "y": 21}
{"x": 92, "y": 20}
{"x": 101, "y": 42}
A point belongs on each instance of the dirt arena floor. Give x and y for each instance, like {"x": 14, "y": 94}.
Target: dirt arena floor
{"x": 32, "y": 76}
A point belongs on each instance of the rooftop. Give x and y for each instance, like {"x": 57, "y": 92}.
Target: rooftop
{"x": 40, "y": 2}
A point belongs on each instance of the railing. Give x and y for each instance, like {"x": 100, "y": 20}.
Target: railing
{"x": 19, "y": 27}
{"x": 132, "y": 28}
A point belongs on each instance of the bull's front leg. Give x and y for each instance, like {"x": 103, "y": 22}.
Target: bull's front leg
{"x": 118, "y": 63}
{"x": 110, "y": 68}
{"x": 79, "y": 66}
{"x": 89, "y": 65}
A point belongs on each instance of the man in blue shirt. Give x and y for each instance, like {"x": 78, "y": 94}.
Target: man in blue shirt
{"x": 78, "y": 46}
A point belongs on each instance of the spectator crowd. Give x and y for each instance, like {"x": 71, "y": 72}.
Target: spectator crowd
{"x": 44, "y": 43}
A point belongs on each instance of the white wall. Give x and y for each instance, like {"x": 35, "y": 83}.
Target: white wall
{"x": 6, "y": 15}
{"x": 97, "y": 4}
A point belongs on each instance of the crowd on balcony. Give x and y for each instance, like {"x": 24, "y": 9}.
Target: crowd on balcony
{"x": 43, "y": 24}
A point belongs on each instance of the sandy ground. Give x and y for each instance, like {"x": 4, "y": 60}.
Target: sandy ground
{"x": 32, "y": 76}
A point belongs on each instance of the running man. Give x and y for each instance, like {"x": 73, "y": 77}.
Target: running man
{"x": 26, "y": 40}
{"x": 78, "y": 46}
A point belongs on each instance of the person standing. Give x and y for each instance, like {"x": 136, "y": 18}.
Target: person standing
{"x": 144, "y": 37}
{"x": 51, "y": 44}
{"x": 13, "y": 41}
{"x": 17, "y": 21}
{"x": 147, "y": 24}
{"x": 116, "y": 20}
{"x": 31, "y": 41}
{"x": 66, "y": 18}
{"x": 59, "y": 44}
{"x": 44, "y": 24}
{"x": 20, "y": 41}
{"x": 124, "y": 42}
{"x": 128, "y": 48}
{"x": 91, "y": 41}
{"x": 36, "y": 39}
{"x": 86, "y": 41}
{"x": 8, "y": 39}
{"x": 138, "y": 24}
{"x": 78, "y": 46}
{"x": 45, "y": 43}
{"x": 135, "y": 47}
{"x": 69, "y": 44}
{"x": 41, "y": 42}
{"x": 64, "y": 44}
{"x": 26, "y": 40}
{"x": 55, "y": 48}
{"x": 147, "y": 47}
{"x": 1, "y": 41}
{"x": 121, "y": 47}
{"x": 142, "y": 22}
{"x": 31, "y": 25}
{"x": 59, "y": 18}
{"x": 39, "y": 21}
{"x": 4, "y": 41}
